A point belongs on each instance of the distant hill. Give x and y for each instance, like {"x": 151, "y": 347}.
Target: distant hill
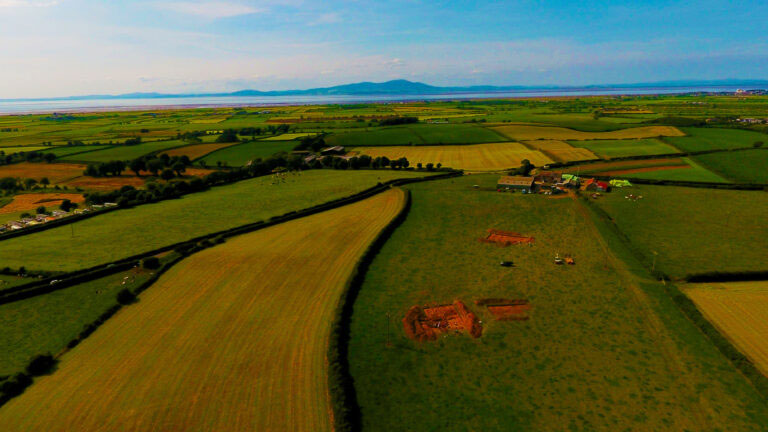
{"x": 405, "y": 87}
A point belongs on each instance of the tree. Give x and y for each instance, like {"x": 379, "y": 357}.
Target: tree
{"x": 126, "y": 297}
{"x": 155, "y": 165}
{"x": 29, "y": 183}
{"x": 137, "y": 166}
{"x": 41, "y": 364}
{"x": 167, "y": 174}
{"x": 40, "y": 210}
{"x": 45, "y": 182}
{"x": 49, "y": 157}
{"x": 229, "y": 135}
{"x": 66, "y": 205}
{"x": 151, "y": 263}
{"x": 757, "y": 144}
{"x": 179, "y": 168}
{"x": 430, "y": 167}
{"x": 418, "y": 165}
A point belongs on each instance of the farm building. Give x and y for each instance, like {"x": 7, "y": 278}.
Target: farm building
{"x": 595, "y": 185}
{"x": 335, "y": 150}
{"x": 521, "y": 183}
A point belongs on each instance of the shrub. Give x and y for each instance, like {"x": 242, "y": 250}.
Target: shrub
{"x": 126, "y": 297}
{"x": 151, "y": 263}
{"x": 16, "y": 385}
{"x": 41, "y": 364}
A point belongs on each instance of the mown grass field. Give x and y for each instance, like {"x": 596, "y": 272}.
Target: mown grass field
{"x": 561, "y": 150}
{"x": 240, "y": 154}
{"x": 475, "y": 157}
{"x": 124, "y": 152}
{"x": 604, "y": 349}
{"x": 694, "y": 230}
{"x": 683, "y": 169}
{"x": 749, "y": 166}
{"x": 625, "y": 147}
{"x": 715, "y": 138}
{"x": 63, "y": 151}
{"x": 739, "y": 310}
{"x": 48, "y": 322}
{"x": 691, "y": 171}
{"x": 417, "y": 134}
{"x": 128, "y": 232}
{"x": 523, "y": 132}
{"x": 245, "y": 350}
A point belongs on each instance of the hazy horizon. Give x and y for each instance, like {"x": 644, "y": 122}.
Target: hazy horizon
{"x": 59, "y": 48}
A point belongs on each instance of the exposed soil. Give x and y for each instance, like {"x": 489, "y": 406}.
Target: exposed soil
{"x": 506, "y": 238}
{"x": 507, "y": 309}
{"x": 423, "y": 324}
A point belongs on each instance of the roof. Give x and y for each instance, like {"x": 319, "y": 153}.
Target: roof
{"x": 599, "y": 183}
{"x": 516, "y": 181}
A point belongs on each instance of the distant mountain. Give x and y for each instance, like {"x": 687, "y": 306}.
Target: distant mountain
{"x": 405, "y": 87}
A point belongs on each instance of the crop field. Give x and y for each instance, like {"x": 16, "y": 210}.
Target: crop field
{"x": 10, "y": 150}
{"x": 288, "y": 136}
{"x": 196, "y": 151}
{"x": 749, "y": 166}
{"x": 716, "y": 138}
{"x": 55, "y": 172}
{"x": 63, "y": 151}
{"x": 523, "y": 132}
{"x": 740, "y": 311}
{"x": 694, "y": 230}
{"x": 602, "y": 350}
{"x": 561, "y": 151}
{"x": 124, "y": 152}
{"x": 418, "y": 134}
{"x": 128, "y": 232}
{"x": 475, "y": 157}
{"x": 31, "y": 201}
{"x": 626, "y": 147}
{"x": 48, "y": 322}
{"x": 689, "y": 171}
{"x": 241, "y": 154}
{"x": 684, "y": 169}
{"x": 241, "y": 353}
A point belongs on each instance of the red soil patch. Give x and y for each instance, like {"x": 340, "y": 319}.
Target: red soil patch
{"x": 27, "y": 202}
{"x": 423, "y": 324}
{"x": 507, "y": 309}
{"x": 506, "y": 238}
{"x": 55, "y": 172}
{"x": 641, "y": 170}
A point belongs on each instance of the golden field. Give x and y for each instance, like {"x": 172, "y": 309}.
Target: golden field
{"x": 561, "y": 151}
{"x": 524, "y": 132}
{"x": 233, "y": 338}
{"x": 475, "y": 157}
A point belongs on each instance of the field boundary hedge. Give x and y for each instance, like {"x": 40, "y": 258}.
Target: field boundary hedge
{"x": 346, "y": 410}
{"x": 688, "y": 308}
{"x": 45, "y": 286}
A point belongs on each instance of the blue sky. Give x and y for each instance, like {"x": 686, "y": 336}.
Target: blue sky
{"x": 67, "y": 47}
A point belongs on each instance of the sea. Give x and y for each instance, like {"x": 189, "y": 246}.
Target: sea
{"x": 41, "y": 106}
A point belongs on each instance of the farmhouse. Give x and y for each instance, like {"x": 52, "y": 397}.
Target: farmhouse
{"x": 521, "y": 183}
{"x": 595, "y": 185}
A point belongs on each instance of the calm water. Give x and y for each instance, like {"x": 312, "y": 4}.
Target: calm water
{"x": 49, "y": 106}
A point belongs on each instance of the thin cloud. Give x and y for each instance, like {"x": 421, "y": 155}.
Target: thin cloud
{"x": 27, "y": 3}
{"x": 211, "y": 10}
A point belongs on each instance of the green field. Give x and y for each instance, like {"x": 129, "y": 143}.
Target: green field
{"x": 240, "y": 154}
{"x": 124, "y": 152}
{"x": 632, "y": 147}
{"x": 699, "y": 139}
{"x": 64, "y": 151}
{"x": 749, "y": 166}
{"x": 46, "y": 323}
{"x": 694, "y": 230}
{"x": 131, "y": 231}
{"x": 418, "y": 134}
{"x": 603, "y": 350}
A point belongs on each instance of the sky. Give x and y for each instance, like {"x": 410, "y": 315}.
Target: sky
{"x": 74, "y": 47}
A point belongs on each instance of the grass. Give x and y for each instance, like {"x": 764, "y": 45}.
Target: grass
{"x": 699, "y": 139}
{"x": 46, "y": 323}
{"x": 11, "y": 150}
{"x": 417, "y": 134}
{"x": 128, "y": 232}
{"x": 63, "y": 151}
{"x": 624, "y": 147}
{"x": 691, "y": 172}
{"x": 246, "y": 350}
{"x": 476, "y": 157}
{"x": 124, "y": 152}
{"x": 531, "y": 132}
{"x": 694, "y": 230}
{"x": 739, "y": 310}
{"x": 599, "y": 353}
{"x": 749, "y": 166}
{"x": 241, "y": 154}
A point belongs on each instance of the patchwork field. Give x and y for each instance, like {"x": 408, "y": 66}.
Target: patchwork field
{"x": 417, "y": 134}
{"x": 25, "y": 202}
{"x": 740, "y": 311}
{"x": 55, "y": 172}
{"x": 683, "y": 169}
{"x": 626, "y": 147}
{"x": 749, "y": 166}
{"x": 124, "y": 152}
{"x": 246, "y": 350}
{"x": 561, "y": 151}
{"x": 196, "y": 151}
{"x": 694, "y": 230}
{"x": 523, "y": 132}
{"x": 11, "y": 150}
{"x": 601, "y": 350}
{"x": 288, "y": 136}
{"x": 716, "y": 138}
{"x": 128, "y": 232}
{"x": 70, "y": 150}
{"x": 241, "y": 154}
{"x": 476, "y": 157}
{"x": 690, "y": 171}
